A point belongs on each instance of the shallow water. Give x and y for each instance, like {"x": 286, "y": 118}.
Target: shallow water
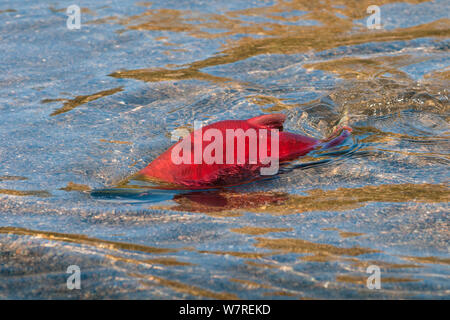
{"x": 81, "y": 110}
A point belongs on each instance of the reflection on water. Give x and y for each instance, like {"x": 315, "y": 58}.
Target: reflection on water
{"x": 216, "y": 202}
{"x": 37, "y": 193}
{"x": 363, "y": 280}
{"x": 80, "y": 100}
{"x": 302, "y": 246}
{"x": 258, "y": 231}
{"x": 183, "y": 288}
{"x": 84, "y": 240}
{"x": 83, "y": 110}
{"x": 269, "y": 38}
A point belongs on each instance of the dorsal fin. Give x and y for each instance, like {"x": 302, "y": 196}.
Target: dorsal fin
{"x": 269, "y": 121}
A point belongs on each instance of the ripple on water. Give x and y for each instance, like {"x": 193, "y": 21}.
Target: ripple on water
{"x": 79, "y": 116}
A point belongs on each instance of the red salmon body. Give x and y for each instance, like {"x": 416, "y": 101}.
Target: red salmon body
{"x": 232, "y": 152}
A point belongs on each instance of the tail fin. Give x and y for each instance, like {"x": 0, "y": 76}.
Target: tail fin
{"x": 337, "y": 137}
